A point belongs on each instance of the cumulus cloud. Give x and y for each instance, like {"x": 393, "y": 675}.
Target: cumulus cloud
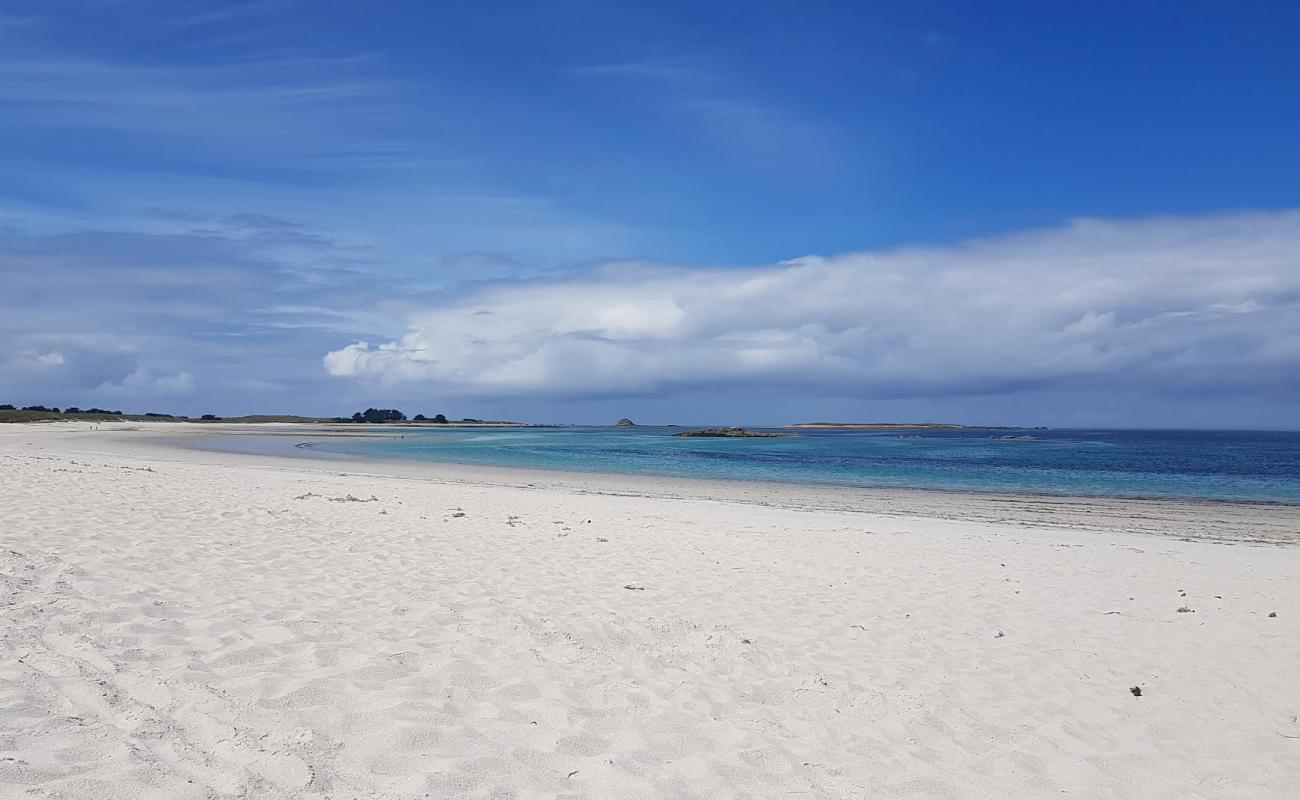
{"x": 1203, "y": 304}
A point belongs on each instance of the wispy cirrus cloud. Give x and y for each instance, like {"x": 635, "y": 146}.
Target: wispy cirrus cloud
{"x": 123, "y": 317}
{"x": 331, "y": 134}
{"x": 138, "y": 95}
{"x": 281, "y": 111}
{"x": 205, "y": 15}
{"x": 740, "y": 121}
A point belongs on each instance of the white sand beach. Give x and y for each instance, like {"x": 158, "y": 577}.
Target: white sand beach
{"x": 176, "y": 623}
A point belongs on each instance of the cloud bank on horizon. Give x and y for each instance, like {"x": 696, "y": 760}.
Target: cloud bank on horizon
{"x": 1199, "y": 305}
{"x": 259, "y": 314}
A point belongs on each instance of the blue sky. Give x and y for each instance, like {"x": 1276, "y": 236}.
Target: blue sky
{"x": 1032, "y": 213}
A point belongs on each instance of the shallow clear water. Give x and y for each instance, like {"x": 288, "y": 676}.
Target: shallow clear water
{"x": 1222, "y": 465}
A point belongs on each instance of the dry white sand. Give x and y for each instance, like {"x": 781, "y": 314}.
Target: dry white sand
{"x": 184, "y": 624}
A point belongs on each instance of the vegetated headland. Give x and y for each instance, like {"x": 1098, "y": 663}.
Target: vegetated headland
{"x": 371, "y": 416}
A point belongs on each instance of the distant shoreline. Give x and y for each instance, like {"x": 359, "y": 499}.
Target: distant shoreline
{"x": 24, "y": 415}
{"x": 21, "y": 415}
{"x": 886, "y": 426}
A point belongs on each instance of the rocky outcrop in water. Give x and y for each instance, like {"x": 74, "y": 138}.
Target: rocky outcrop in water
{"x": 730, "y": 433}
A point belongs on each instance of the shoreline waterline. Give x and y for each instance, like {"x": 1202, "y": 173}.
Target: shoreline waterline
{"x": 971, "y": 465}
{"x": 1190, "y": 519}
{"x": 1207, "y": 520}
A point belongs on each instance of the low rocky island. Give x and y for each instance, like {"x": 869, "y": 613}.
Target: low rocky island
{"x": 625, "y": 423}
{"x": 731, "y": 433}
{"x": 878, "y": 426}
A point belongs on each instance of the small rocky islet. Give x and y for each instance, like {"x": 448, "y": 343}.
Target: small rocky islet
{"x": 731, "y": 433}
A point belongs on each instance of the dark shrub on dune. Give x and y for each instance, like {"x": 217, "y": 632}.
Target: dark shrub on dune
{"x": 378, "y": 416}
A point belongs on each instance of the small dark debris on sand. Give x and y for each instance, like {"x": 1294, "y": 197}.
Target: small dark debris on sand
{"x": 1136, "y": 691}
{"x": 1272, "y": 613}
{"x": 349, "y": 498}
{"x": 1186, "y": 610}
{"x": 636, "y": 587}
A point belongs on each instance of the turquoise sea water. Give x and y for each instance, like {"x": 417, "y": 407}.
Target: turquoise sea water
{"x": 1215, "y": 465}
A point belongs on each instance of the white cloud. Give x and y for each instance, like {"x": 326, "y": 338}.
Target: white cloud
{"x": 1187, "y": 304}
{"x": 143, "y": 382}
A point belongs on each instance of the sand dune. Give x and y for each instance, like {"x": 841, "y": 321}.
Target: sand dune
{"x": 182, "y": 624}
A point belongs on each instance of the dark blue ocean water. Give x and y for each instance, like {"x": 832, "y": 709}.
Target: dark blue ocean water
{"x": 1218, "y": 465}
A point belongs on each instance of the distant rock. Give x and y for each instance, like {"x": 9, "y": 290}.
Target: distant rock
{"x": 877, "y": 426}
{"x": 730, "y": 433}
{"x": 625, "y": 423}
